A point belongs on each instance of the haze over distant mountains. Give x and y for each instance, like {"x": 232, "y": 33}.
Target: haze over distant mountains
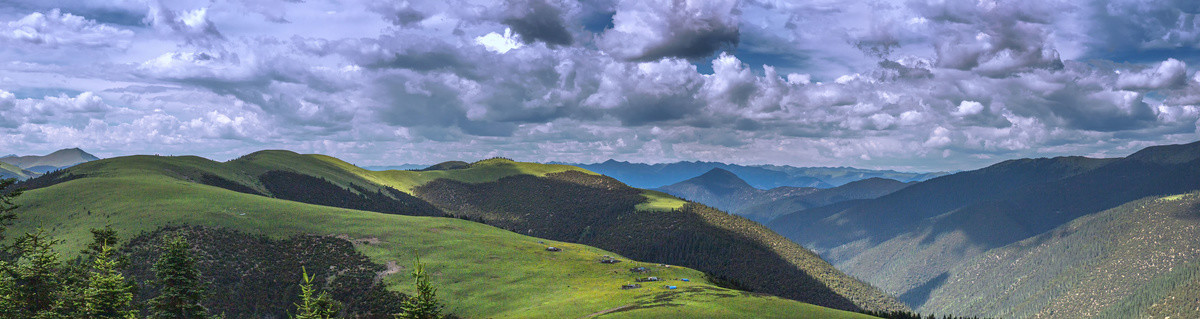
{"x": 758, "y": 176}
{"x": 23, "y": 167}
{"x": 1046, "y": 237}
{"x": 724, "y": 190}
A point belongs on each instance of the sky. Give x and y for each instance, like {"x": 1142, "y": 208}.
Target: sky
{"x": 918, "y": 85}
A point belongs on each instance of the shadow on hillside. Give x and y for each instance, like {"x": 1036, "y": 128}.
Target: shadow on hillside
{"x": 916, "y": 297}
{"x": 599, "y": 211}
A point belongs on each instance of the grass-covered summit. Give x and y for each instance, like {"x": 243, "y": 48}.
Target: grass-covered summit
{"x": 484, "y": 271}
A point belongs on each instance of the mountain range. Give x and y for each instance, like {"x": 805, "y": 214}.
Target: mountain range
{"x": 759, "y": 176}
{"x": 984, "y": 242}
{"x": 1064, "y": 237}
{"x": 726, "y": 191}
{"x": 46, "y": 163}
{"x": 490, "y": 258}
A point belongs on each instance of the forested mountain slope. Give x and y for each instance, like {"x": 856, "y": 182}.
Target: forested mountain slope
{"x": 908, "y": 241}
{"x": 1138, "y": 260}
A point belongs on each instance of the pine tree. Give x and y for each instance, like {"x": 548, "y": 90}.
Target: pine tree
{"x": 101, "y": 239}
{"x": 108, "y": 294}
{"x": 425, "y": 304}
{"x": 321, "y": 306}
{"x": 37, "y": 274}
{"x": 10, "y": 305}
{"x": 180, "y": 290}
{"x": 7, "y": 207}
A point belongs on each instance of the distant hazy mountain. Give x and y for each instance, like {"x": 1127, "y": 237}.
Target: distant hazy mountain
{"x": 912, "y": 241}
{"x": 12, "y": 171}
{"x": 761, "y": 177}
{"x": 843, "y": 175}
{"x": 59, "y": 159}
{"x": 723, "y": 190}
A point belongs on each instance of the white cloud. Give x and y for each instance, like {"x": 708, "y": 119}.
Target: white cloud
{"x": 1171, "y": 73}
{"x": 498, "y": 43}
{"x": 968, "y": 108}
{"x": 54, "y": 29}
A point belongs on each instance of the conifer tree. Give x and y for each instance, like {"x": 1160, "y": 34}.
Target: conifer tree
{"x": 37, "y": 274}
{"x": 108, "y": 294}
{"x": 101, "y": 238}
{"x": 180, "y": 289}
{"x": 9, "y": 303}
{"x": 321, "y": 306}
{"x": 7, "y": 207}
{"x": 424, "y": 305}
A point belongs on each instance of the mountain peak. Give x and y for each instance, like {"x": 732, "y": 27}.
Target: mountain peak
{"x": 719, "y": 173}
{"x": 718, "y": 180}
{"x": 74, "y": 152}
{"x": 58, "y": 159}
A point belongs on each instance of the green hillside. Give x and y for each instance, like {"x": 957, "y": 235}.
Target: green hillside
{"x": 484, "y": 271}
{"x": 1138, "y": 260}
{"x": 12, "y": 171}
{"x": 558, "y": 202}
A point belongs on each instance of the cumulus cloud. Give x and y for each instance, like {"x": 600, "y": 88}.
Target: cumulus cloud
{"x": 967, "y": 108}
{"x": 193, "y": 25}
{"x": 55, "y": 28}
{"x": 539, "y": 20}
{"x": 1171, "y": 73}
{"x": 645, "y": 30}
{"x": 993, "y": 38}
{"x": 916, "y": 84}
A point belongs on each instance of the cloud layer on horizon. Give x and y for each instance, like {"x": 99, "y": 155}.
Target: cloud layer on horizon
{"x": 918, "y": 85}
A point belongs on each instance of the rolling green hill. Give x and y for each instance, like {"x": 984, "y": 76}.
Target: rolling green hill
{"x": 484, "y": 271}
{"x": 1138, "y": 260}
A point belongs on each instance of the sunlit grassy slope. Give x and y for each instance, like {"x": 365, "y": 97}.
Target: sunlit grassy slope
{"x": 12, "y": 171}
{"x": 243, "y": 171}
{"x": 481, "y": 271}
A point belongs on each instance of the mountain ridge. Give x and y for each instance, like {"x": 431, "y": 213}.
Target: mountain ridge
{"x": 724, "y": 190}
{"x": 55, "y": 160}
{"x": 909, "y": 241}
{"x": 556, "y": 202}
{"x": 760, "y": 176}
{"x": 482, "y": 270}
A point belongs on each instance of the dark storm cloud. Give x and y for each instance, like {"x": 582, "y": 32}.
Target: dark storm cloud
{"x": 1123, "y": 28}
{"x": 538, "y": 20}
{"x": 398, "y": 12}
{"x": 650, "y": 30}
